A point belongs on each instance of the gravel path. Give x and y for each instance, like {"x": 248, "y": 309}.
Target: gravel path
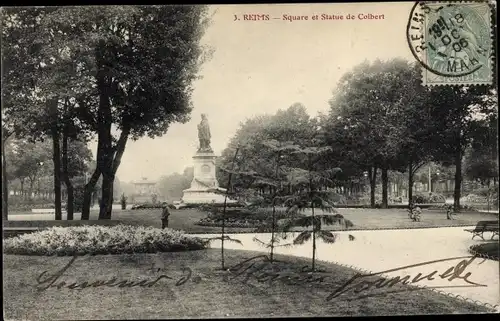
{"x": 382, "y": 250}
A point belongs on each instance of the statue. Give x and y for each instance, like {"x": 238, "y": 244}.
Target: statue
{"x": 204, "y": 134}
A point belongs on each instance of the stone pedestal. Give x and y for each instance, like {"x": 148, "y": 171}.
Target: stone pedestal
{"x": 204, "y": 181}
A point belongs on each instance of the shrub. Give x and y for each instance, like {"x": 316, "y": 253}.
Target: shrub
{"x": 259, "y": 214}
{"x": 462, "y": 207}
{"x": 474, "y": 198}
{"x": 242, "y": 217}
{"x": 489, "y": 250}
{"x": 210, "y": 207}
{"x": 468, "y": 208}
{"x": 123, "y": 201}
{"x": 150, "y": 205}
{"x": 426, "y": 198}
{"x": 230, "y": 223}
{"x": 29, "y": 207}
{"x": 81, "y": 240}
{"x": 395, "y": 199}
{"x": 16, "y": 203}
{"x": 78, "y": 199}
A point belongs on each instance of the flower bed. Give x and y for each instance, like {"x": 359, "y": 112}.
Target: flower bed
{"x": 486, "y": 250}
{"x": 81, "y": 240}
{"x": 210, "y": 207}
{"x": 463, "y": 207}
{"x": 231, "y": 223}
{"x": 150, "y": 206}
{"x": 427, "y": 199}
{"x": 473, "y": 198}
{"x": 242, "y": 217}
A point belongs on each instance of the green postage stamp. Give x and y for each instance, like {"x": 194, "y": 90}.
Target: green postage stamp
{"x": 453, "y": 42}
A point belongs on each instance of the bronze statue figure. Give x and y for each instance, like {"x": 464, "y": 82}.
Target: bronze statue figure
{"x": 204, "y": 134}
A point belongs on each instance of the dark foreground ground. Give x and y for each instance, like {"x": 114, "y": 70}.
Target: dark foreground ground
{"x": 205, "y": 291}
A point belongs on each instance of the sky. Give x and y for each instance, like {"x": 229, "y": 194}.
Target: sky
{"x": 260, "y": 67}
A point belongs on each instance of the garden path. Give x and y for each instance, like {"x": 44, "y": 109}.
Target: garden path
{"x": 381, "y": 250}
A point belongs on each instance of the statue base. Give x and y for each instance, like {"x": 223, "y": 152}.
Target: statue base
{"x": 193, "y": 196}
{"x": 204, "y": 187}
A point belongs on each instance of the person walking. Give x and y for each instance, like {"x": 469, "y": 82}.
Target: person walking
{"x": 164, "y": 216}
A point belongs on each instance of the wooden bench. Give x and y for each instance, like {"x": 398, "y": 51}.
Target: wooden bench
{"x": 45, "y": 211}
{"x": 484, "y": 226}
{"x": 14, "y": 231}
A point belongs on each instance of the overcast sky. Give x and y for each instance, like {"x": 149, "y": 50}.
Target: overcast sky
{"x": 262, "y": 66}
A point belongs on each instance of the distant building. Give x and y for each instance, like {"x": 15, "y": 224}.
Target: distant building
{"x": 144, "y": 190}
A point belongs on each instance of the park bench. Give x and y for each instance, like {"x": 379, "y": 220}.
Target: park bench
{"x": 14, "y": 231}
{"x": 484, "y": 226}
{"x": 45, "y": 211}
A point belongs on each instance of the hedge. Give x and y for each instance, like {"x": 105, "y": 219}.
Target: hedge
{"x": 81, "y": 240}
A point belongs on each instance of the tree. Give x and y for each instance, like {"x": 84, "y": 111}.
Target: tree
{"x": 31, "y": 162}
{"x": 143, "y": 85}
{"x": 172, "y": 186}
{"x": 31, "y": 157}
{"x": 5, "y": 180}
{"x": 223, "y": 236}
{"x": 276, "y": 182}
{"x": 40, "y": 77}
{"x": 369, "y": 115}
{"x": 131, "y": 68}
{"x": 292, "y": 124}
{"x": 312, "y": 197}
{"x": 457, "y": 112}
{"x": 481, "y": 159}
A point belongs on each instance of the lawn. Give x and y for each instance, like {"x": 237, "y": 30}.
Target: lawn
{"x": 363, "y": 219}
{"x": 208, "y": 292}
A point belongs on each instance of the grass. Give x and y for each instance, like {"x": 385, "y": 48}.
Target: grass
{"x": 209, "y": 292}
{"x": 363, "y": 219}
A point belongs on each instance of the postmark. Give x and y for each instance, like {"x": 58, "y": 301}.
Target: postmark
{"x": 452, "y": 41}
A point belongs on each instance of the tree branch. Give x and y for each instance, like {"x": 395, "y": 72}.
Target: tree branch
{"x": 120, "y": 147}
{"x": 414, "y": 170}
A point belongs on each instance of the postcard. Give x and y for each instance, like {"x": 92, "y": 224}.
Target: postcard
{"x": 256, "y": 160}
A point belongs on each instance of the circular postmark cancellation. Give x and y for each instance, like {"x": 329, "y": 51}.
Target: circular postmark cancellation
{"x": 452, "y": 41}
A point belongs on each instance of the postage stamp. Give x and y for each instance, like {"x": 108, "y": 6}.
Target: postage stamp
{"x": 452, "y": 41}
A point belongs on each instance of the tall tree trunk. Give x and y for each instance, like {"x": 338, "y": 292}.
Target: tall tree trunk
{"x": 488, "y": 195}
{"x": 273, "y": 223}
{"x": 385, "y": 183}
{"x": 67, "y": 181}
{"x": 109, "y": 209}
{"x": 107, "y": 193}
{"x": 458, "y": 181}
{"x": 31, "y": 187}
{"x": 372, "y": 173}
{"x": 410, "y": 182}
{"x": 105, "y": 150}
{"x": 224, "y": 209}
{"x": 21, "y": 180}
{"x": 89, "y": 193}
{"x": 119, "y": 149}
{"x": 313, "y": 239}
{"x": 56, "y": 158}
{"x": 5, "y": 187}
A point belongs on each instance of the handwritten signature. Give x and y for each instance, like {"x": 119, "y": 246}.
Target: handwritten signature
{"x": 452, "y": 273}
{"x": 46, "y": 280}
{"x": 258, "y": 268}
{"x": 261, "y": 269}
